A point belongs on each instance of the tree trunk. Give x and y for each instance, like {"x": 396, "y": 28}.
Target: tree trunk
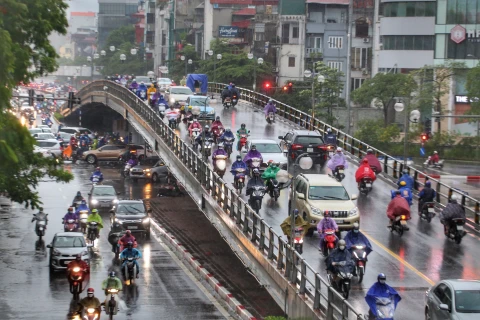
{"x": 385, "y": 114}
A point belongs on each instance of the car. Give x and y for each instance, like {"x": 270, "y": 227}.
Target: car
{"x": 313, "y": 194}
{"x": 453, "y": 299}
{"x": 152, "y": 168}
{"x": 65, "y": 136}
{"x": 44, "y": 135}
{"x": 109, "y": 152}
{"x": 164, "y": 83}
{"x": 178, "y": 94}
{"x": 146, "y": 80}
{"x": 44, "y": 152}
{"x": 297, "y": 142}
{"x": 141, "y": 151}
{"x": 79, "y": 130}
{"x": 35, "y": 130}
{"x": 53, "y": 145}
{"x": 202, "y": 102}
{"x": 65, "y": 247}
{"x": 102, "y": 196}
{"x": 132, "y": 215}
{"x": 270, "y": 150}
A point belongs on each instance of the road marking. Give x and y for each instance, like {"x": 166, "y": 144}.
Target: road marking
{"x": 401, "y": 260}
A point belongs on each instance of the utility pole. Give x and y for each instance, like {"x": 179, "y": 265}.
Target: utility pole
{"x": 171, "y": 27}
{"x": 349, "y": 57}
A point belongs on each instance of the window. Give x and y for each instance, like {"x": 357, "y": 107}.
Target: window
{"x": 291, "y": 61}
{"x": 131, "y": 208}
{"x": 295, "y": 32}
{"x": 361, "y": 28}
{"x": 411, "y": 9}
{"x": 335, "y": 65}
{"x": 259, "y": 36}
{"x": 408, "y": 42}
{"x": 327, "y": 193}
{"x": 300, "y": 187}
{"x": 335, "y": 42}
{"x": 285, "y": 32}
{"x": 104, "y": 191}
{"x": 357, "y": 83}
{"x": 268, "y": 148}
{"x": 467, "y": 301}
{"x": 359, "y": 58}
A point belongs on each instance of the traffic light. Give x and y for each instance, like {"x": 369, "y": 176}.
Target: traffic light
{"x": 40, "y": 98}
{"x": 267, "y": 86}
{"x": 290, "y": 87}
{"x": 31, "y": 95}
{"x": 71, "y": 98}
{"x": 424, "y": 137}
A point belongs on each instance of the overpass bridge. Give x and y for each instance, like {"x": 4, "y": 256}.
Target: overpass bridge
{"x": 413, "y": 263}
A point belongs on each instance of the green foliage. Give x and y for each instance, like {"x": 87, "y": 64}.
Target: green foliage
{"x": 176, "y": 67}
{"x": 275, "y": 318}
{"x": 382, "y": 89}
{"x": 120, "y": 36}
{"x": 473, "y": 88}
{"x": 58, "y": 116}
{"x": 374, "y": 133}
{"x": 24, "y": 29}
{"x": 78, "y": 61}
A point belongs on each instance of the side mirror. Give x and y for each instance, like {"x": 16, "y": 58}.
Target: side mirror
{"x": 354, "y": 196}
{"x": 444, "y": 307}
{"x": 49, "y": 246}
{"x": 301, "y": 196}
{"x": 280, "y": 137}
{"x": 100, "y": 150}
{"x": 244, "y": 151}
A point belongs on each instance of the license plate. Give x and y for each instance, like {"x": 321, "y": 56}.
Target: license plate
{"x": 368, "y": 185}
{"x": 309, "y": 149}
{"x": 105, "y": 205}
{"x": 339, "y": 221}
{"x": 132, "y": 227}
{"x": 460, "y": 228}
{"x": 431, "y": 210}
{"x": 403, "y": 222}
{"x": 330, "y": 154}
{"x": 341, "y": 171}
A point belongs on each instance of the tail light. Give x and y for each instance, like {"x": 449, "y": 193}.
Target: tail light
{"x": 297, "y": 146}
{"x": 324, "y": 148}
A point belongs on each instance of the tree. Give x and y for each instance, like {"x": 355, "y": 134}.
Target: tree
{"x": 25, "y": 53}
{"x": 473, "y": 88}
{"x": 119, "y": 36}
{"x": 376, "y": 134}
{"x": 383, "y": 89}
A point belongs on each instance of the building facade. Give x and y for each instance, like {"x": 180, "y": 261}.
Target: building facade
{"x": 114, "y": 14}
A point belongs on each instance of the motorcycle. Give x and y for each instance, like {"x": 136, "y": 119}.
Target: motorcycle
{"x": 217, "y": 132}
{"x": 330, "y": 149}
{"x": 239, "y": 180}
{"x": 83, "y": 220}
{"x": 207, "y": 148}
{"x": 92, "y": 232}
{"x": 273, "y": 188}
{"x": 256, "y": 198}
{"x": 428, "y": 211}
{"x": 40, "y": 226}
{"x": 126, "y": 170}
{"x": 70, "y": 225}
{"x": 339, "y": 173}
{"x": 298, "y": 239}
{"x": 365, "y": 186}
{"x": 399, "y": 225}
{"x": 193, "y": 137}
{"x": 172, "y": 123}
{"x": 96, "y": 180}
{"x": 234, "y": 100}
{"x": 228, "y": 145}
{"x": 91, "y": 314}
{"x": 242, "y": 141}
{"x": 456, "y": 231}
{"x": 110, "y": 303}
{"x": 254, "y": 163}
{"x": 428, "y": 163}
{"x": 130, "y": 270}
{"x": 75, "y": 278}
{"x": 360, "y": 256}
{"x": 220, "y": 165}
{"x": 188, "y": 118}
{"x": 227, "y": 102}
{"x": 75, "y": 204}
{"x": 385, "y": 308}
{"x": 344, "y": 276}
{"x": 161, "y": 110}
{"x": 329, "y": 242}
{"x": 270, "y": 118}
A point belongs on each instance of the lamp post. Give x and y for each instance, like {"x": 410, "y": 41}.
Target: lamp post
{"x": 189, "y": 61}
{"x": 414, "y": 117}
{"x": 259, "y": 61}
{"x": 123, "y": 57}
{"x": 112, "y": 48}
{"x": 321, "y": 79}
{"x": 219, "y": 57}
{"x": 76, "y": 76}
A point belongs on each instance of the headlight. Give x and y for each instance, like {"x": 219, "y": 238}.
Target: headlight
{"x": 353, "y": 212}
{"x": 94, "y": 201}
{"x": 115, "y": 201}
{"x": 172, "y": 100}
{"x": 146, "y": 170}
{"x": 212, "y": 111}
{"x": 146, "y": 220}
{"x": 55, "y": 252}
{"x": 316, "y": 211}
{"x": 119, "y": 221}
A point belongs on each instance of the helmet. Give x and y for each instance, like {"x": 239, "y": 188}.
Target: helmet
{"x": 243, "y": 125}
{"x": 428, "y": 184}
{"x": 326, "y": 214}
{"x": 207, "y": 127}
{"x": 90, "y": 292}
{"x": 295, "y": 213}
{"x": 254, "y": 147}
{"x": 226, "y": 87}
{"x": 40, "y": 210}
{"x": 453, "y": 198}
{"x": 435, "y": 152}
{"x": 97, "y": 169}
{"x": 112, "y": 274}
{"x": 365, "y": 160}
{"x": 84, "y": 201}
{"x": 403, "y": 183}
{"x": 381, "y": 278}
{"x": 142, "y": 83}
{"x": 195, "y": 120}
{"x": 130, "y": 244}
{"x": 94, "y": 211}
{"x": 79, "y": 194}
{"x": 270, "y": 101}
{"x": 239, "y": 158}
{"x": 405, "y": 171}
{"x": 329, "y": 130}
{"x": 217, "y": 118}
{"x": 339, "y": 149}
{"x": 356, "y": 227}
{"x": 369, "y": 151}
{"x": 227, "y": 129}
{"x": 128, "y": 232}
{"x": 256, "y": 171}
{"x": 70, "y": 209}
{"x": 342, "y": 244}
{"x": 78, "y": 257}
{"x": 274, "y": 164}
{"x": 134, "y": 80}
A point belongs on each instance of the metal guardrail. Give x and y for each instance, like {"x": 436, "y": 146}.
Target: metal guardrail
{"x": 392, "y": 167}
{"x": 288, "y": 262}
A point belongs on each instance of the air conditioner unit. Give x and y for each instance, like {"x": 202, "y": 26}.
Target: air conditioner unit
{"x": 366, "y": 40}
{"x": 365, "y": 72}
{"x": 275, "y": 69}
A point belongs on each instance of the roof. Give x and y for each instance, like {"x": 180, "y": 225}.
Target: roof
{"x": 460, "y": 284}
{"x": 322, "y": 180}
{"x": 263, "y": 141}
{"x": 82, "y": 14}
{"x": 345, "y": 2}
{"x": 245, "y": 12}
{"x": 102, "y": 186}
{"x": 130, "y": 200}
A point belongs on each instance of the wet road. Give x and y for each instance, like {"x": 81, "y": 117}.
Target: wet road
{"x": 29, "y": 292}
{"x": 413, "y": 263}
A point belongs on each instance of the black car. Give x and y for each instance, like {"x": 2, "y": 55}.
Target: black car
{"x": 297, "y": 142}
{"x": 132, "y": 215}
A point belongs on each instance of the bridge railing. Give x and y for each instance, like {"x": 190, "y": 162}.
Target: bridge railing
{"x": 274, "y": 247}
{"x": 392, "y": 167}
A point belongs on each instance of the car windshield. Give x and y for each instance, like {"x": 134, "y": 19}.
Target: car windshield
{"x": 309, "y": 140}
{"x": 104, "y": 191}
{"x": 131, "y": 208}
{"x": 467, "y": 301}
{"x": 142, "y": 79}
{"x": 164, "y": 80}
{"x": 149, "y": 162}
{"x": 69, "y": 242}
{"x": 46, "y": 135}
{"x": 198, "y": 102}
{"x": 328, "y": 193}
{"x": 180, "y": 91}
{"x": 268, "y": 148}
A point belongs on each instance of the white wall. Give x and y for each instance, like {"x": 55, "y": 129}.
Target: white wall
{"x": 407, "y": 26}
{"x": 410, "y": 59}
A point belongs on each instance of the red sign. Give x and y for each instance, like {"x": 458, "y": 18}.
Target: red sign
{"x": 458, "y": 34}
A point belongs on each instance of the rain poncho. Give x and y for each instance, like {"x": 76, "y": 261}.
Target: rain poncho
{"x": 270, "y": 173}
{"x": 373, "y": 162}
{"x": 330, "y": 138}
{"x": 133, "y": 86}
{"x": 194, "y": 125}
{"x": 397, "y": 207}
{"x": 299, "y": 222}
{"x": 142, "y": 92}
{"x": 338, "y": 159}
{"x": 357, "y": 238}
{"x": 87, "y": 303}
{"x": 435, "y": 158}
{"x": 112, "y": 283}
{"x": 408, "y": 180}
{"x": 452, "y": 211}
{"x": 379, "y": 290}
{"x": 217, "y": 153}
{"x": 126, "y": 239}
{"x": 171, "y": 114}
{"x": 131, "y": 253}
{"x": 95, "y": 217}
{"x": 364, "y": 171}
{"x": 237, "y": 165}
{"x": 161, "y": 100}
{"x": 227, "y": 135}
{"x": 254, "y": 182}
{"x": 252, "y": 154}
{"x": 97, "y": 174}
{"x": 208, "y": 135}
{"x": 151, "y": 92}
{"x": 269, "y": 107}
{"x": 427, "y": 194}
{"x": 406, "y": 193}
{"x": 324, "y": 225}
{"x": 242, "y": 131}
{"x": 216, "y": 124}
{"x": 82, "y": 207}
{"x": 338, "y": 255}
{"x": 70, "y": 215}
{"x": 132, "y": 162}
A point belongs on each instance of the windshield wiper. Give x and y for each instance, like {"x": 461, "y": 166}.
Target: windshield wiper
{"x": 334, "y": 198}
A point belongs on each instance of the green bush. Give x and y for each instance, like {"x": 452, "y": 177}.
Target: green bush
{"x": 58, "y": 116}
{"x": 275, "y": 318}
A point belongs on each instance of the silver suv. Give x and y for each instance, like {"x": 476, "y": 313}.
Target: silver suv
{"x": 102, "y": 197}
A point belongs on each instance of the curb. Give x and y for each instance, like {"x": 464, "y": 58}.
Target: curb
{"x": 234, "y": 305}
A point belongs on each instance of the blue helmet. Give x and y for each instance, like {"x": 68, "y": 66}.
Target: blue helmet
{"x": 381, "y": 276}
{"x": 428, "y": 184}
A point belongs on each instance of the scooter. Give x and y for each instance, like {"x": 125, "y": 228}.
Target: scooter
{"x": 329, "y": 242}
{"x": 110, "y": 303}
{"x": 428, "y": 163}
{"x": 70, "y": 225}
{"x": 75, "y": 278}
{"x": 220, "y": 165}
{"x": 428, "y": 211}
{"x": 456, "y": 231}
{"x": 234, "y": 100}
{"x": 366, "y": 186}
{"x": 400, "y": 224}
{"x": 91, "y": 314}
{"x": 242, "y": 141}
{"x": 40, "y": 226}
{"x": 273, "y": 188}
{"x": 161, "y": 110}
{"x": 227, "y": 102}
{"x": 130, "y": 270}
{"x": 83, "y": 220}
{"x": 92, "y": 232}
{"x": 193, "y": 137}
{"x": 270, "y": 118}
{"x": 360, "y": 256}
{"x": 339, "y": 173}
{"x": 126, "y": 170}
{"x": 228, "y": 145}
{"x": 172, "y": 123}
{"x": 344, "y": 276}
{"x": 239, "y": 180}
{"x": 385, "y": 309}
{"x": 217, "y": 132}
{"x": 330, "y": 149}
{"x": 254, "y": 163}
{"x": 256, "y": 198}
{"x": 207, "y": 148}
{"x": 95, "y": 180}
{"x": 188, "y": 118}
{"x": 298, "y": 239}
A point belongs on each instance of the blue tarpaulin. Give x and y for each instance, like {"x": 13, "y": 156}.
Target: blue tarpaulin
{"x": 198, "y": 83}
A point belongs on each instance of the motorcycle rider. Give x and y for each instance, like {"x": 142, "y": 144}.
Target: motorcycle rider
{"x": 426, "y": 195}
{"x": 270, "y": 173}
{"x": 127, "y": 237}
{"x": 133, "y": 160}
{"x": 269, "y": 107}
{"x": 227, "y": 134}
{"x": 330, "y": 137}
{"x": 380, "y": 289}
{"x": 355, "y": 237}
{"x": 78, "y": 197}
{"x": 405, "y": 192}
{"x": 407, "y": 178}
{"x": 78, "y": 262}
{"x": 256, "y": 180}
{"x": 219, "y": 152}
{"x": 194, "y": 125}
{"x": 398, "y": 207}
{"x": 116, "y": 230}
{"x": 226, "y": 94}
{"x": 97, "y": 173}
{"x": 453, "y": 210}
{"x": 373, "y": 161}
{"x": 242, "y": 130}
{"x": 238, "y": 164}
{"x": 150, "y": 92}
{"x": 142, "y": 91}
{"x": 299, "y": 222}
{"x": 172, "y": 114}
{"x": 71, "y": 215}
{"x": 112, "y": 282}
{"x": 234, "y": 91}
{"x": 338, "y": 159}
{"x": 130, "y": 252}
{"x": 82, "y": 207}
{"x": 217, "y": 123}
{"x": 133, "y": 86}
{"x": 252, "y": 153}
{"x": 327, "y": 223}
{"x": 90, "y": 301}
{"x": 339, "y": 257}
{"x": 41, "y": 216}
{"x": 95, "y": 217}
{"x": 207, "y": 134}
{"x": 364, "y": 171}
{"x": 161, "y": 100}
{"x": 434, "y": 158}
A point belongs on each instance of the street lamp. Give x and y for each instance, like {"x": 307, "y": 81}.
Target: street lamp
{"x": 321, "y": 79}
{"x": 112, "y": 48}
{"x": 414, "y": 117}
{"x": 219, "y": 57}
{"x": 103, "y": 53}
{"x": 133, "y": 51}
{"x": 123, "y": 57}
{"x": 259, "y": 61}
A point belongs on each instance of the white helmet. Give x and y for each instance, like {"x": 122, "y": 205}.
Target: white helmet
{"x": 339, "y": 149}
{"x": 454, "y": 197}
{"x": 435, "y": 152}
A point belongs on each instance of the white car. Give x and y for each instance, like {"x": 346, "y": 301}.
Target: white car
{"x": 178, "y": 94}
{"x": 43, "y": 135}
{"x": 164, "y": 83}
{"x": 79, "y": 130}
{"x": 44, "y": 152}
{"x": 35, "y": 131}
{"x": 65, "y": 136}
{"x": 53, "y": 145}
{"x": 270, "y": 150}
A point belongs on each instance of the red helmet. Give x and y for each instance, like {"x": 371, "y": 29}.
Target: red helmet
{"x": 365, "y": 160}
{"x": 128, "y": 232}
{"x": 90, "y": 290}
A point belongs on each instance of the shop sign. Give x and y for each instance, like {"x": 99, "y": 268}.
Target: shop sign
{"x": 228, "y": 32}
{"x": 458, "y": 34}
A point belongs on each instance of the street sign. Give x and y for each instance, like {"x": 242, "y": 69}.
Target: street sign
{"x": 422, "y": 151}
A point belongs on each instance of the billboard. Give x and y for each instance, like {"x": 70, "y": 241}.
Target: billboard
{"x": 228, "y": 32}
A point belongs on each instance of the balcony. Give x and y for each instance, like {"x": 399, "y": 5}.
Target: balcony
{"x": 313, "y": 52}
{"x": 290, "y": 40}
